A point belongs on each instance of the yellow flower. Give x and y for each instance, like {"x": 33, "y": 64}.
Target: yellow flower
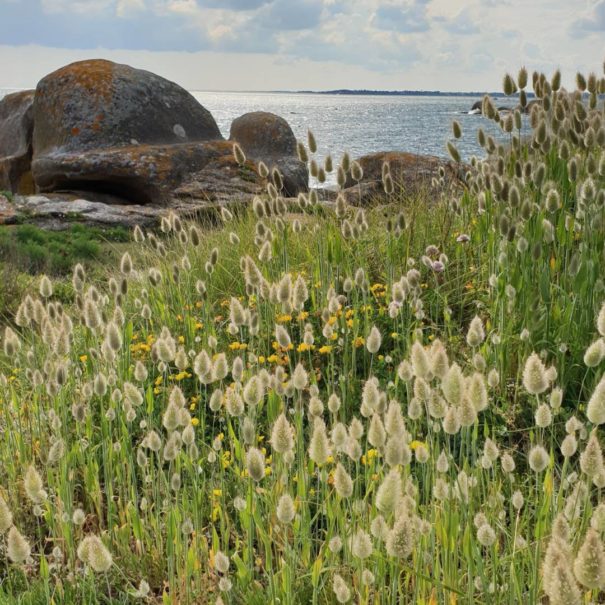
{"x": 273, "y": 358}
{"x": 325, "y": 349}
{"x": 261, "y": 359}
{"x": 285, "y": 318}
{"x": 195, "y": 421}
{"x": 181, "y": 339}
{"x": 159, "y": 380}
{"x": 359, "y": 342}
{"x": 349, "y": 313}
{"x": 303, "y": 347}
{"x": 302, "y": 315}
{"x": 83, "y": 358}
{"x": 217, "y": 492}
{"x": 334, "y": 336}
{"x": 198, "y": 325}
{"x": 332, "y": 320}
{"x": 369, "y": 456}
{"x": 416, "y": 444}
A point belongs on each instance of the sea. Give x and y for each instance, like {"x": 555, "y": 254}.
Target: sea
{"x": 360, "y": 123}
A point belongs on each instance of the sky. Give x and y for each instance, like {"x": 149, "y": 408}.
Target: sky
{"x": 463, "y": 45}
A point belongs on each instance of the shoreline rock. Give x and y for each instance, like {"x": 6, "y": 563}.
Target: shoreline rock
{"x": 16, "y": 127}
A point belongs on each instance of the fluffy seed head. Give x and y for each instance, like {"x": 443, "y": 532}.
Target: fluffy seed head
{"x": 534, "y": 375}
{"x": 285, "y": 509}
{"x": 282, "y": 439}
{"x": 18, "y": 548}
{"x": 538, "y": 458}
{"x": 255, "y": 464}
{"x": 400, "y": 541}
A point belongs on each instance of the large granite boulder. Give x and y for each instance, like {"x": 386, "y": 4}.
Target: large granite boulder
{"x": 268, "y": 137}
{"x": 101, "y": 126}
{"x": 16, "y": 125}
{"x": 411, "y": 174}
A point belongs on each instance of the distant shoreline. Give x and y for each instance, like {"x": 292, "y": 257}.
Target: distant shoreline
{"x": 343, "y": 91}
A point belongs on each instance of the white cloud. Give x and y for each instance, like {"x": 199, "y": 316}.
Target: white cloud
{"x": 447, "y": 44}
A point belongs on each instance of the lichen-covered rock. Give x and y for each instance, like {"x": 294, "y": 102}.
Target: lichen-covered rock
{"x": 410, "y": 173}
{"x": 102, "y": 126}
{"x": 268, "y": 137}
{"x": 16, "y": 125}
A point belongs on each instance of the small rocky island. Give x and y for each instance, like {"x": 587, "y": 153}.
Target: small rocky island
{"x": 107, "y": 144}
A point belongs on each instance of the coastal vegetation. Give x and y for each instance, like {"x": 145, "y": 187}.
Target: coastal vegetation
{"x": 324, "y": 403}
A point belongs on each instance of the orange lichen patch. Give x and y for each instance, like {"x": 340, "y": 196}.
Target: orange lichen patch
{"x": 95, "y": 75}
{"x": 75, "y": 131}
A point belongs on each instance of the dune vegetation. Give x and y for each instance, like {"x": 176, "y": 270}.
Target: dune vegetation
{"x": 318, "y": 403}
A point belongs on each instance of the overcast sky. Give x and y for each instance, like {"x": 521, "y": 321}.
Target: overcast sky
{"x": 306, "y": 44}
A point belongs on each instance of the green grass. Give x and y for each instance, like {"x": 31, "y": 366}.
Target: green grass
{"x": 139, "y": 401}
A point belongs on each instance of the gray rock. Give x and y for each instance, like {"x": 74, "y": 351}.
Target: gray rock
{"x": 16, "y": 125}
{"x": 101, "y": 126}
{"x": 268, "y": 137}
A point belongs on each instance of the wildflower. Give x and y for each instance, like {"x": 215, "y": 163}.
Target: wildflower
{"x": 221, "y": 562}
{"x": 591, "y": 459}
{"x": 93, "y": 552}
{"x": 343, "y": 482}
{"x": 285, "y": 509}
{"x": 282, "y": 439}
{"x": 595, "y": 410}
{"x": 18, "y": 548}
{"x": 361, "y": 545}
{"x": 390, "y": 492}
{"x": 420, "y": 361}
{"x": 300, "y": 378}
{"x": 589, "y": 566}
{"x": 341, "y": 590}
{"x": 46, "y": 287}
{"x": 32, "y": 482}
{"x": 373, "y": 340}
{"x": 538, "y": 459}
{"x": 376, "y": 432}
{"x": 335, "y": 544}
{"x": 334, "y": 403}
{"x": 477, "y": 392}
{"x": 476, "y": 334}
{"x": 6, "y": 516}
{"x": 400, "y": 540}
{"x": 595, "y": 353}
{"x": 517, "y": 500}
{"x": 319, "y": 449}
{"x": 453, "y": 385}
{"x": 486, "y": 535}
{"x": 543, "y": 416}
{"x": 569, "y": 446}
{"x": 255, "y": 464}
{"x": 534, "y": 375}
{"x": 451, "y": 421}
